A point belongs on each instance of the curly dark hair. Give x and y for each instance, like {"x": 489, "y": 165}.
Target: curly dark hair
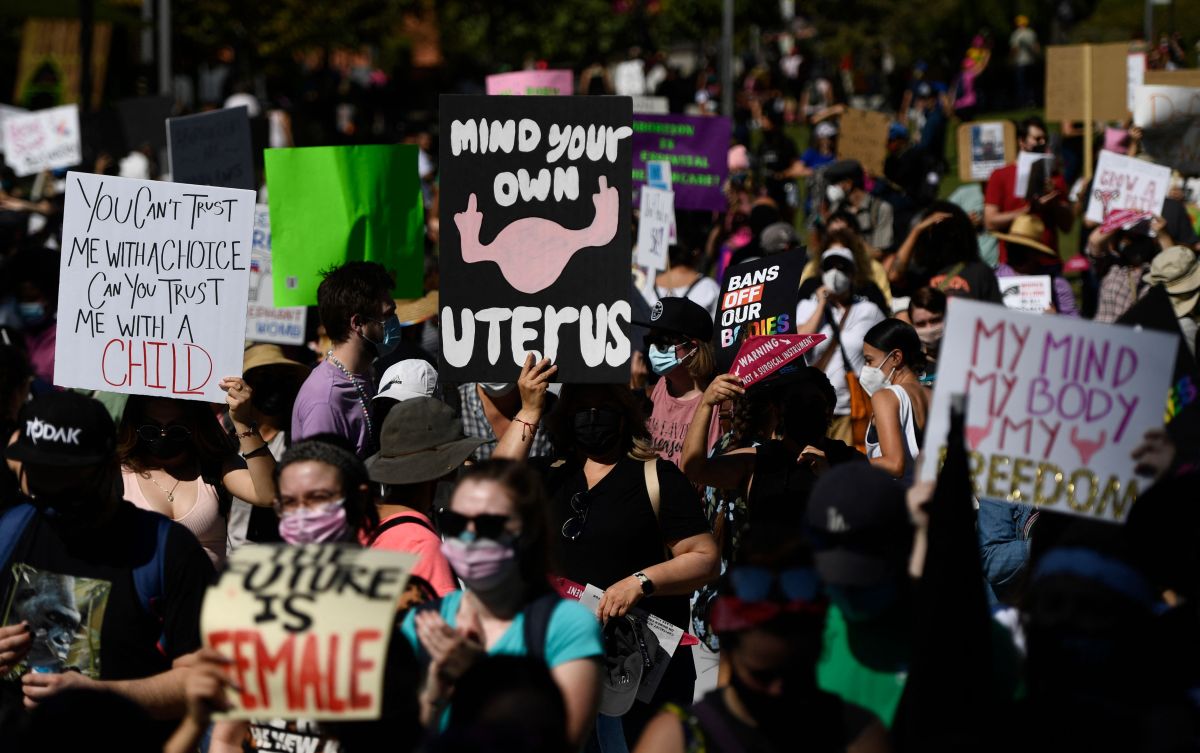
{"x": 356, "y": 485}
{"x": 356, "y": 287}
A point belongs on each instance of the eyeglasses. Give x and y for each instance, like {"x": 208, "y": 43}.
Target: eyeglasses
{"x": 452, "y": 524}
{"x": 308, "y": 500}
{"x": 580, "y": 504}
{"x": 151, "y": 432}
{"x": 750, "y": 583}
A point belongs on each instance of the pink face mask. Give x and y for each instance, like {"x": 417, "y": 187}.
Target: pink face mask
{"x": 317, "y": 525}
{"x": 483, "y": 564}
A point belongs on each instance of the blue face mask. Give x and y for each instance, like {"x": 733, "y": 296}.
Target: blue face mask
{"x": 663, "y": 360}
{"x": 863, "y": 603}
{"x": 391, "y": 336}
{"x": 32, "y": 314}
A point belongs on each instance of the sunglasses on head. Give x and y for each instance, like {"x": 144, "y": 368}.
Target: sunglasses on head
{"x": 750, "y": 583}
{"x": 151, "y": 432}
{"x": 452, "y": 524}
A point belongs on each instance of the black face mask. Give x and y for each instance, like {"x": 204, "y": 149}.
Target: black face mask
{"x": 775, "y": 714}
{"x": 77, "y": 499}
{"x": 597, "y": 431}
{"x": 164, "y": 448}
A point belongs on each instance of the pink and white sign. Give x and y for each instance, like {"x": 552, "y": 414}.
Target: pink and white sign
{"x": 1127, "y": 183}
{"x": 42, "y": 140}
{"x": 760, "y": 357}
{"x": 1055, "y": 406}
{"x": 532, "y": 82}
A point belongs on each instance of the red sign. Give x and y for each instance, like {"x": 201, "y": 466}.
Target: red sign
{"x": 760, "y": 357}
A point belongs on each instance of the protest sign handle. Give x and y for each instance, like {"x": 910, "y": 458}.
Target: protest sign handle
{"x": 1088, "y": 125}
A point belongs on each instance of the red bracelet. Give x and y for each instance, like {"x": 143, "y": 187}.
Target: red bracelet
{"x": 532, "y": 429}
{"x": 252, "y": 431}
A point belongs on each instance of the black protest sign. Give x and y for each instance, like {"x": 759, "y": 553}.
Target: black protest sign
{"x": 535, "y": 236}
{"x": 758, "y": 299}
{"x": 212, "y": 149}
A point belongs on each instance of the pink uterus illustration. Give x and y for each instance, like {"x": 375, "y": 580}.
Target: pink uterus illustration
{"x": 532, "y": 252}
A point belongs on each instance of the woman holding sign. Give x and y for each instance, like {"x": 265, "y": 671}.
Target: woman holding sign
{"x": 176, "y": 460}
{"x": 894, "y": 361}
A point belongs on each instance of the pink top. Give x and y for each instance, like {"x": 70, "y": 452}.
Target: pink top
{"x": 203, "y": 519}
{"x": 670, "y": 419}
{"x": 419, "y": 540}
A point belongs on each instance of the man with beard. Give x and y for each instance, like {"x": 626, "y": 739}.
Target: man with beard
{"x": 77, "y": 527}
{"x": 359, "y": 316}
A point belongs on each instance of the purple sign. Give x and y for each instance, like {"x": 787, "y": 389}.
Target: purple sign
{"x": 696, "y": 147}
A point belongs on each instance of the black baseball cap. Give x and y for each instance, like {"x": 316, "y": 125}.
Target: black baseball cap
{"x": 64, "y": 428}
{"x": 630, "y": 653}
{"x": 859, "y": 526}
{"x": 680, "y": 315}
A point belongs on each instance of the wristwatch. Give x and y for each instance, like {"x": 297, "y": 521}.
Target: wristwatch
{"x": 647, "y": 584}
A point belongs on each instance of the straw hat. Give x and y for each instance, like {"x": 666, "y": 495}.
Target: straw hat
{"x": 416, "y": 310}
{"x": 1027, "y": 230}
{"x": 271, "y": 355}
{"x": 1177, "y": 270}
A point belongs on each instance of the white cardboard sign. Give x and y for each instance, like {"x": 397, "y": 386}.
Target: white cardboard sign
{"x": 1055, "y": 405}
{"x": 1160, "y": 105}
{"x": 306, "y": 628}
{"x": 264, "y": 322}
{"x": 1025, "y": 163}
{"x": 42, "y": 140}
{"x": 654, "y": 227}
{"x": 1029, "y": 293}
{"x": 1127, "y": 183}
{"x": 152, "y": 288}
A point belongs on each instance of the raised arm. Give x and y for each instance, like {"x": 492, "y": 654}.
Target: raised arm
{"x": 252, "y": 476}
{"x": 533, "y": 385}
{"x": 731, "y": 470}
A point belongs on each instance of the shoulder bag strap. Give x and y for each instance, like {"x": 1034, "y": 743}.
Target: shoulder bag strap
{"x": 389, "y": 525}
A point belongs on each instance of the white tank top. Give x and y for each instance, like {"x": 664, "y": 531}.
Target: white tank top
{"x": 909, "y": 422}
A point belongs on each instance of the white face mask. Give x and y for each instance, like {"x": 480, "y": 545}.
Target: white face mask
{"x": 931, "y": 335}
{"x": 834, "y": 193}
{"x": 872, "y": 379}
{"x": 837, "y": 281}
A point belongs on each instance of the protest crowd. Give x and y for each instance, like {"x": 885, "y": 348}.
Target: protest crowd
{"x": 591, "y": 419}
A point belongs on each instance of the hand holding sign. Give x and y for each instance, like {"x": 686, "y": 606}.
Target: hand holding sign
{"x": 723, "y": 387}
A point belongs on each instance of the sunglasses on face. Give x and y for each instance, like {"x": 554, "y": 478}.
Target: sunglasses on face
{"x": 452, "y": 524}
{"x": 751, "y": 583}
{"x": 664, "y": 340}
{"x": 841, "y": 264}
{"x": 151, "y": 432}
{"x": 573, "y": 528}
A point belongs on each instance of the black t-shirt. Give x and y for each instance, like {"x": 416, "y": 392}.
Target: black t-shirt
{"x": 80, "y": 592}
{"x": 776, "y": 154}
{"x": 824, "y": 723}
{"x": 779, "y": 492}
{"x": 621, "y": 536}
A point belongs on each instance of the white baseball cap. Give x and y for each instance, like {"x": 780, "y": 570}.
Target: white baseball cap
{"x": 407, "y": 379}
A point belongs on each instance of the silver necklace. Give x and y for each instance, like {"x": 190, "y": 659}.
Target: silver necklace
{"x": 169, "y": 492}
{"x": 362, "y": 394}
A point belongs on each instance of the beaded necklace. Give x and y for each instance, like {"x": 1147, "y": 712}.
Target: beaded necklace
{"x": 362, "y": 394}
